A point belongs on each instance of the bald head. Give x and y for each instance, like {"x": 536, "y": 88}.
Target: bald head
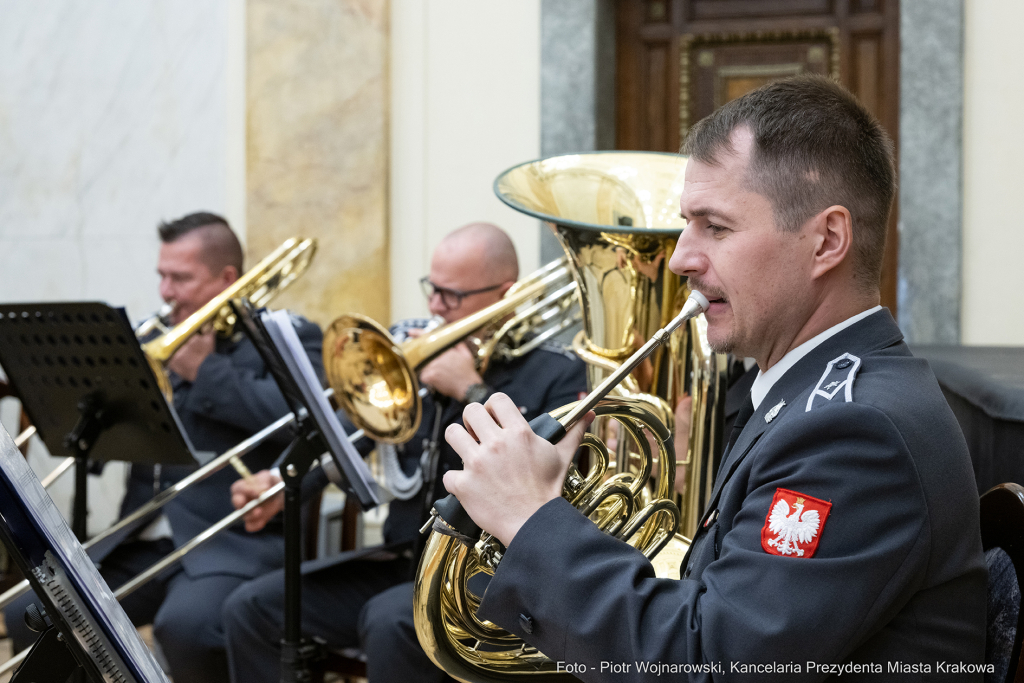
{"x": 478, "y": 257}
{"x": 490, "y": 244}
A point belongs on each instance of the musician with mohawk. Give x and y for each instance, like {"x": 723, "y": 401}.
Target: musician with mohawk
{"x": 842, "y": 536}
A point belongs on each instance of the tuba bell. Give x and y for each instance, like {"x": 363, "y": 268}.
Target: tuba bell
{"x": 616, "y": 215}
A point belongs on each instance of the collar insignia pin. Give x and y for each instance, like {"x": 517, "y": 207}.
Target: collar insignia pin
{"x": 770, "y": 415}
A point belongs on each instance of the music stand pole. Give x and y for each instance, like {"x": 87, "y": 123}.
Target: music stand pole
{"x": 297, "y": 654}
{"x": 80, "y": 441}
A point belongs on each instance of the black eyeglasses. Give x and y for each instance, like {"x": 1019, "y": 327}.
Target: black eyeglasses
{"x": 451, "y": 298}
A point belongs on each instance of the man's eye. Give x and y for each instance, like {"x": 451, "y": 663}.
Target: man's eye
{"x": 716, "y": 229}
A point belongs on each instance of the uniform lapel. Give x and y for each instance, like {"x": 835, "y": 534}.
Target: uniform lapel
{"x": 875, "y": 332}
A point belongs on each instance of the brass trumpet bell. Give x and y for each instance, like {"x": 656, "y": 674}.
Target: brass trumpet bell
{"x": 374, "y": 377}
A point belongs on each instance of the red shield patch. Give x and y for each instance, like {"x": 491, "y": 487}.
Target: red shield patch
{"x": 794, "y": 524}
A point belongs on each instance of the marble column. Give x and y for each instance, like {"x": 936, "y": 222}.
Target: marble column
{"x": 316, "y": 148}
{"x": 577, "y": 84}
{"x": 931, "y": 170}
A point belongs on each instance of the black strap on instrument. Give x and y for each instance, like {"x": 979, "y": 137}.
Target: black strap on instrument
{"x": 451, "y": 519}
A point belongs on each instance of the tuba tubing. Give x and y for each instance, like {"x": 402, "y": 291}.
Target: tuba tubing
{"x": 451, "y": 519}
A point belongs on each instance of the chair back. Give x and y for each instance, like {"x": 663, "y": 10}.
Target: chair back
{"x": 1002, "y": 536}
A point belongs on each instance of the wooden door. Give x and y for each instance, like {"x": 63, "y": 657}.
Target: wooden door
{"x": 677, "y": 60}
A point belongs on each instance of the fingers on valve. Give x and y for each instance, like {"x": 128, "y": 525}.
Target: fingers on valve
{"x": 504, "y": 411}
{"x": 460, "y": 439}
{"x": 479, "y": 421}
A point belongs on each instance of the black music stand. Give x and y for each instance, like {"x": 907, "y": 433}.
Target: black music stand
{"x": 317, "y": 430}
{"x": 84, "y": 628}
{"x": 88, "y": 388}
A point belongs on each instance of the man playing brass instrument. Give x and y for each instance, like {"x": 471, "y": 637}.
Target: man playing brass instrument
{"x": 368, "y": 602}
{"x": 222, "y": 394}
{"x": 843, "y": 529}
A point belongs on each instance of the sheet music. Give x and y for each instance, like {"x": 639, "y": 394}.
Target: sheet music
{"x": 295, "y": 356}
{"x": 37, "y": 505}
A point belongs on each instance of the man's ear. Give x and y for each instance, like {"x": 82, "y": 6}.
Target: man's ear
{"x": 229, "y": 275}
{"x": 833, "y": 230}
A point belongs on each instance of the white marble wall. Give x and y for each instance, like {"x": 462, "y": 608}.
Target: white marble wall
{"x": 114, "y": 114}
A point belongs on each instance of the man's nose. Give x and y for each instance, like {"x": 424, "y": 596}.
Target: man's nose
{"x": 687, "y": 259}
{"x": 166, "y": 289}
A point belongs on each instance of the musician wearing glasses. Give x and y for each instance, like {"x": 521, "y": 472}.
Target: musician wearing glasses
{"x": 843, "y": 529}
{"x": 223, "y": 394}
{"x": 367, "y": 602}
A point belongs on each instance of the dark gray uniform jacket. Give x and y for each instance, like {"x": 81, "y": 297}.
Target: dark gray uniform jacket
{"x": 233, "y": 397}
{"x": 898, "y": 575}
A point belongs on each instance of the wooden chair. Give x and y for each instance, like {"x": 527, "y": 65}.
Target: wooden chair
{"x": 1002, "y": 527}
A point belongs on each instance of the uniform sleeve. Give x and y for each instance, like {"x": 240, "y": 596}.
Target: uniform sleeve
{"x": 243, "y": 397}
{"x": 590, "y": 599}
{"x": 565, "y": 384}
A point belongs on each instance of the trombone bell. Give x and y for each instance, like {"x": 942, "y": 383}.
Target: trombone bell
{"x": 372, "y": 381}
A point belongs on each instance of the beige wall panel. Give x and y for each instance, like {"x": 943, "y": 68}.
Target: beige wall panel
{"x": 993, "y": 246}
{"x": 316, "y": 148}
{"x": 465, "y": 94}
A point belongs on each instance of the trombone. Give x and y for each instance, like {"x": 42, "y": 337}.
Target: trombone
{"x": 374, "y": 377}
{"x": 259, "y": 285}
{"x": 169, "y": 494}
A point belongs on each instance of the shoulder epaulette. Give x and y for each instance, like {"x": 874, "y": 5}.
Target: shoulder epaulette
{"x": 561, "y": 349}
{"x": 838, "y": 376}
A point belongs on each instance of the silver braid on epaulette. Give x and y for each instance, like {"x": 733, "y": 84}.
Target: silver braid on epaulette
{"x": 403, "y": 485}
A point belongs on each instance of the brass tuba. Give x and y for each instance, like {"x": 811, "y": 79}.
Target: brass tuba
{"x": 374, "y": 377}
{"x": 616, "y": 215}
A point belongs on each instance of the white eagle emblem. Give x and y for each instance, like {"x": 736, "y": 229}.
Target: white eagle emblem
{"x": 791, "y": 529}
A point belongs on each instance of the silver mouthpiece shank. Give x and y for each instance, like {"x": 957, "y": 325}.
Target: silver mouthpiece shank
{"x": 696, "y": 304}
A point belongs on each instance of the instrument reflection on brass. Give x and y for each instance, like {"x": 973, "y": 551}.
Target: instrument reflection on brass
{"x": 616, "y": 215}
{"x": 374, "y": 378}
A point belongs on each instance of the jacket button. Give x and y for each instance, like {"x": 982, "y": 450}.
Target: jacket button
{"x": 526, "y": 622}
{"x": 844, "y": 363}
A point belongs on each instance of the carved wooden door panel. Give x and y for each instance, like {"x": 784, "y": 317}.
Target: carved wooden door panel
{"x": 677, "y": 60}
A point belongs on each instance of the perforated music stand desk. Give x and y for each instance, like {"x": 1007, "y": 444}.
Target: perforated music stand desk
{"x": 87, "y": 387}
